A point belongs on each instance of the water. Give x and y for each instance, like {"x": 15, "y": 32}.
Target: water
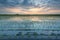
{"x": 12, "y": 25}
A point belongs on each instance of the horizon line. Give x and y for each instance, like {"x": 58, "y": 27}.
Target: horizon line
{"x": 29, "y": 14}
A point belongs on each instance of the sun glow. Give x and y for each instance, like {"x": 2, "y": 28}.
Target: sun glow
{"x": 32, "y": 10}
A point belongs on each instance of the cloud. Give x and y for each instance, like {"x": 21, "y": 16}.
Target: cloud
{"x": 32, "y": 10}
{"x": 35, "y": 3}
{"x": 30, "y": 6}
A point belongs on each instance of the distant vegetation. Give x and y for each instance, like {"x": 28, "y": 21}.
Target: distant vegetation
{"x": 29, "y": 14}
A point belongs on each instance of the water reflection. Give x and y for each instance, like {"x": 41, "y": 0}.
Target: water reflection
{"x": 30, "y": 18}
{"x": 12, "y": 25}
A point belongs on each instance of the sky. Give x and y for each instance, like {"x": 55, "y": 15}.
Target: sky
{"x": 29, "y": 6}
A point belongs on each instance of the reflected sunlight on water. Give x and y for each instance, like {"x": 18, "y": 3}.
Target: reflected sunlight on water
{"x": 14, "y": 24}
